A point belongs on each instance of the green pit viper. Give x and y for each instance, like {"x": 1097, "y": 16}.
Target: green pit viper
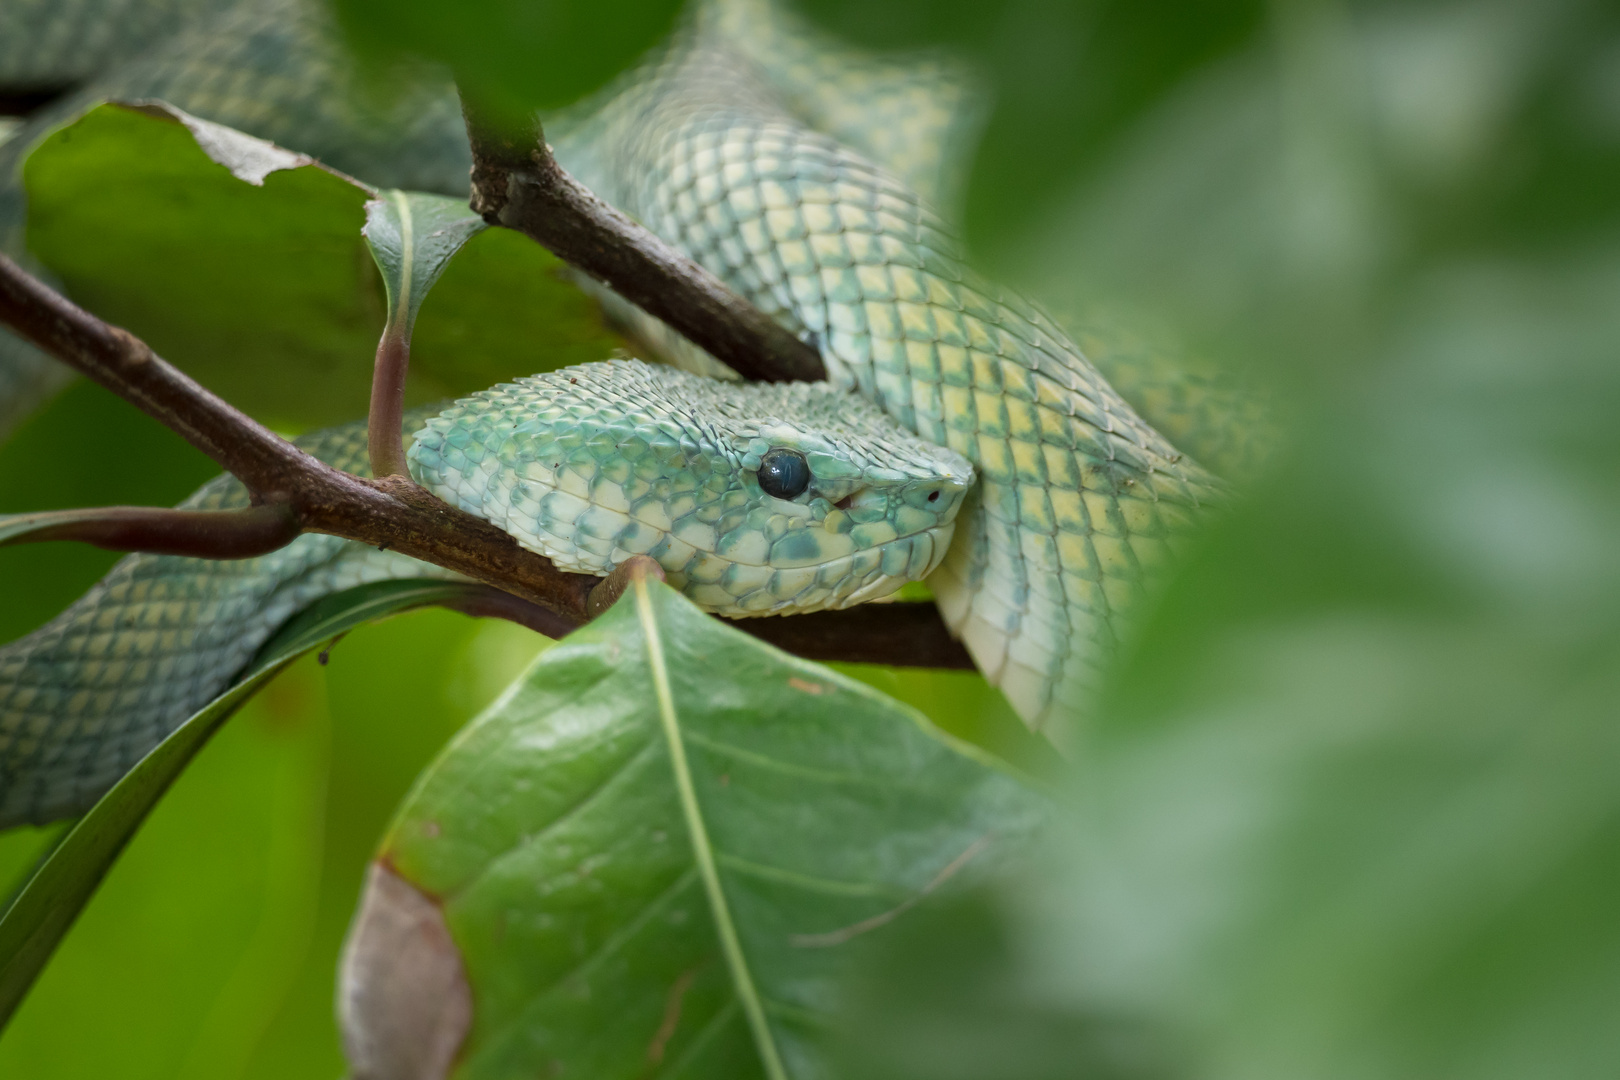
{"x": 961, "y": 437}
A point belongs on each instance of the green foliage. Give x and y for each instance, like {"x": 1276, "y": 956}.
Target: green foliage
{"x": 714, "y": 829}
{"x": 1068, "y": 78}
{"x": 413, "y": 237}
{"x": 266, "y": 294}
{"x": 514, "y": 54}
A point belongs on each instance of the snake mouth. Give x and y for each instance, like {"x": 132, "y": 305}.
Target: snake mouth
{"x": 743, "y": 590}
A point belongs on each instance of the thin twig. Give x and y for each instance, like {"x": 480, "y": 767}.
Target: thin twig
{"x": 207, "y": 534}
{"x": 517, "y": 183}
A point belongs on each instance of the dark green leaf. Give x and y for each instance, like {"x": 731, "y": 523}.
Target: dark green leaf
{"x": 660, "y": 849}
{"x": 1067, "y": 79}
{"x": 515, "y": 54}
{"x": 266, "y": 293}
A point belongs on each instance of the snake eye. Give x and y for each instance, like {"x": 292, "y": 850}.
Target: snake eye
{"x": 783, "y": 474}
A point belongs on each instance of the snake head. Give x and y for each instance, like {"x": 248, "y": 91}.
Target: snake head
{"x": 755, "y": 499}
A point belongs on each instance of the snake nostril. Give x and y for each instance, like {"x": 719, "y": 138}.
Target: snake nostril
{"x": 843, "y": 504}
{"x": 933, "y": 496}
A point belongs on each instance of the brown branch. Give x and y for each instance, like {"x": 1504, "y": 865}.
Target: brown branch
{"x": 896, "y": 635}
{"x": 485, "y": 602}
{"x": 517, "y": 183}
{"x": 610, "y": 588}
{"x": 204, "y": 534}
{"x": 125, "y": 365}
{"x": 899, "y": 634}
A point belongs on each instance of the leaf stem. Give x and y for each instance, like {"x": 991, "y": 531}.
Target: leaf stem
{"x": 385, "y": 440}
{"x": 742, "y": 979}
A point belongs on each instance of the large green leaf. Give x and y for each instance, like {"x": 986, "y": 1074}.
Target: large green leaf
{"x": 1066, "y": 80}
{"x": 264, "y": 290}
{"x": 59, "y": 889}
{"x": 659, "y": 850}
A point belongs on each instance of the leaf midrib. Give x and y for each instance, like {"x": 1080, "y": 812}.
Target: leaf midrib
{"x": 702, "y": 851}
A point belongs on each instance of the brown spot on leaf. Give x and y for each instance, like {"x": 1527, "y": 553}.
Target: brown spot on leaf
{"x": 672, "y": 1017}
{"x": 403, "y": 999}
{"x": 806, "y": 686}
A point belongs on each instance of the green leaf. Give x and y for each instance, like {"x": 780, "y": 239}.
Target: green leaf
{"x": 266, "y": 293}
{"x": 413, "y": 238}
{"x": 515, "y": 55}
{"x": 1067, "y": 81}
{"x": 47, "y": 906}
{"x": 660, "y": 849}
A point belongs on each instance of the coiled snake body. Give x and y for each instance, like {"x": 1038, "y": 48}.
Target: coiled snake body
{"x": 757, "y": 170}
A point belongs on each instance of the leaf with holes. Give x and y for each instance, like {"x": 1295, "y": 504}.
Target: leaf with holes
{"x": 657, "y": 854}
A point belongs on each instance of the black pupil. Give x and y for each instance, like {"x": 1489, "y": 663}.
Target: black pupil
{"x": 784, "y": 474}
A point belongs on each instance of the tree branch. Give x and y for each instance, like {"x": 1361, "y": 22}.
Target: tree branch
{"x": 391, "y": 512}
{"x": 517, "y": 183}
{"x": 898, "y": 634}
{"x": 204, "y": 534}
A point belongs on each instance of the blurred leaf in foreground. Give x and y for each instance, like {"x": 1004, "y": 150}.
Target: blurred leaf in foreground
{"x": 265, "y": 292}
{"x": 658, "y": 851}
{"x": 1351, "y": 810}
{"x": 1067, "y": 79}
{"x": 514, "y": 54}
